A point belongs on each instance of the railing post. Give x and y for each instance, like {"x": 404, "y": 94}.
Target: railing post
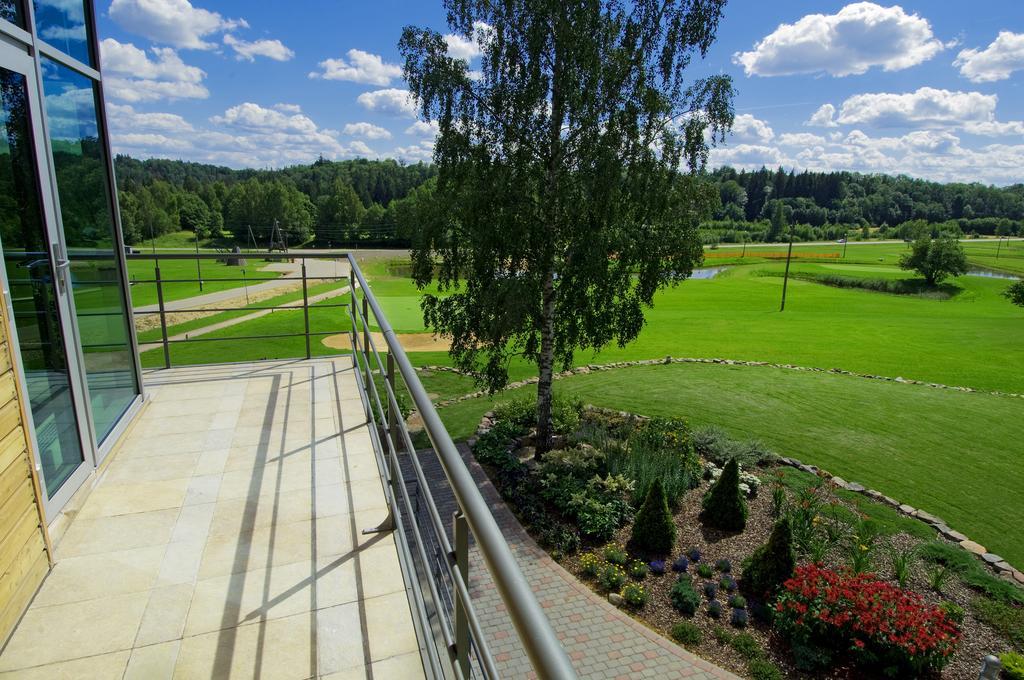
{"x": 393, "y": 413}
{"x": 461, "y": 619}
{"x": 163, "y": 313}
{"x": 366, "y": 339}
{"x": 305, "y": 307}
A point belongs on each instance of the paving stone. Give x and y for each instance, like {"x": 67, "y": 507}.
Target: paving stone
{"x": 907, "y": 509}
{"x": 1018, "y": 576}
{"x": 839, "y": 481}
{"x": 854, "y": 486}
{"x": 1003, "y": 567}
{"x": 992, "y": 558}
{"x": 971, "y": 546}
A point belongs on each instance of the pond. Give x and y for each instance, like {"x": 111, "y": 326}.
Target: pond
{"x": 990, "y": 274}
{"x": 707, "y": 272}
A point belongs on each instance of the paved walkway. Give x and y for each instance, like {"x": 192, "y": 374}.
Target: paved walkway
{"x": 601, "y": 640}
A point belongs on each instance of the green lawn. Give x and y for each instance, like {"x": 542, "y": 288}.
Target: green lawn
{"x": 213, "y": 275}
{"x": 954, "y": 454}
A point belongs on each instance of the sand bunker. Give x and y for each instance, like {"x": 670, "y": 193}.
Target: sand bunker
{"x": 411, "y": 342}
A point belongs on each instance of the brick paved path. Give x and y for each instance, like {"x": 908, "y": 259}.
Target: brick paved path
{"x": 601, "y": 640}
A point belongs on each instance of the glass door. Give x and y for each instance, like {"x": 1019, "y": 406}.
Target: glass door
{"x": 37, "y": 285}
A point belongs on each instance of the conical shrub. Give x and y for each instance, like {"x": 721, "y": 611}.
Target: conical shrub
{"x": 654, "y": 532}
{"x": 771, "y": 564}
{"x": 724, "y": 506}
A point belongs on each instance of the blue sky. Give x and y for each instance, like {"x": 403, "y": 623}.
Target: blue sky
{"x": 929, "y": 89}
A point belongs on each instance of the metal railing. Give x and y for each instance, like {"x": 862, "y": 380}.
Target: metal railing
{"x": 435, "y": 563}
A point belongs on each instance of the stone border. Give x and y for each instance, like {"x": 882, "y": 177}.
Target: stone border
{"x": 590, "y": 368}
{"x": 997, "y": 564}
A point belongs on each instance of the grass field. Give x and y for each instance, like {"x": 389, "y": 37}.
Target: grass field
{"x": 951, "y": 453}
{"x": 213, "y": 274}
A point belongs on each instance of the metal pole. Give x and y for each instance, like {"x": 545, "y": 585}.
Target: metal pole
{"x": 392, "y": 416}
{"x": 199, "y": 269}
{"x": 744, "y": 253}
{"x": 785, "y": 279}
{"x": 846, "y": 242}
{"x": 461, "y": 558}
{"x": 163, "y": 313}
{"x": 366, "y": 338}
{"x": 998, "y": 246}
{"x": 305, "y": 307}
{"x": 245, "y": 284}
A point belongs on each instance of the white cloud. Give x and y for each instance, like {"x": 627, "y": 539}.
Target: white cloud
{"x": 58, "y": 33}
{"x": 750, "y": 130}
{"x": 171, "y": 22}
{"x": 467, "y": 49}
{"x": 131, "y": 75}
{"x": 823, "y": 117}
{"x": 271, "y": 49}
{"x": 254, "y": 116}
{"x": 423, "y": 129}
{"x": 391, "y": 101}
{"x": 358, "y": 148}
{"x": 800, "y": 139}
{"x": 925, "y": 107}
{"x": 996, "y": 62}
{"x": 995, "y": 128}
{"x": 858, "y": 37}
{"x": 368, "y": 130}
{"x": 124, "y": 118}
{"x": 288, "y": 108}
{"x": 423, "y": 151}
{"x": 361, "y": 67}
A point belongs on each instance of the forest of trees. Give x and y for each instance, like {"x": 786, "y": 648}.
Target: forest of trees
{"x": 375, "y": 203}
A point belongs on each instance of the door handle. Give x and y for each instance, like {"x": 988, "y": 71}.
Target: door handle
{"x": 60, "y": 265}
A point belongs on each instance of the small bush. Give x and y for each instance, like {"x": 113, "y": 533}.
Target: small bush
{"x": 615, "y": 554}
{"x": 612, "y": 577}
{"x": 901, "y": 563}
{"x": 694, "y": 555}
{"x": 724, "y": 506}
{"x": 710, "y": 590}
{"x": 590, "y": 565}
{"x": 771, "y": 564}
{"x": 715, "y": 609}
{"x": 713, "y": 444}
{"x": 1013, "y": 665}
{"x": 654, "y": 532}
{"x": 739, "y": 618}
{"x": 657, "y": 567}
{"x": 559, "y": 537}
{"x": 657, "y": 449}
{"x": 762, "y": 669}
{"x": 638, "y": 570}
{"x": 728, "y": 584}
{"x": 954, "y": 612}
{"x": 687, "y": 634}
{"x": 704, "y": 570}
{"x": 681, "y": 564}
{"x": 747, "y": 646}
{"x": 684, "y": 597}
{"x": 738, "y": 602}
{"x": 635, "y": 595}
{"x": 723, "y": 566}
{"x": 565, "y": 413}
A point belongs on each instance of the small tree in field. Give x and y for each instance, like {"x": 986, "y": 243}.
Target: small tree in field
{"x": 935, "y": 259}
{"x": 724, "y": 506}
{"x": 771, "y": 564}
{"x": 1015, "y": 293}
{"x": 562, "y": 203}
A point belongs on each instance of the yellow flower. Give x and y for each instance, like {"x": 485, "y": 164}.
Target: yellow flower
{"x": 863, "y": 548}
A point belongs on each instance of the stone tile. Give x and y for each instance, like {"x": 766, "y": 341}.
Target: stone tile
{"x": 155, "y": 662}
{"x": 122, "y": 532}
{"x": 258, "y": 549}
{"x": 389, "y": 626}
{"x": 203, "y": 489}
{"x": 164, "y": 619}
{"x": 280, "y": 649}
{"x": 211, "y": 462}
{"x": 100, "y": 575}
{"x": 193, "y": 523}
{"x": 399, "y": 667}
{"x": 366, "y": 494}
{"x": 108, "y": 500}
{"x": 70, "y": 631}
{"x": 173, "y": 466}
{"x": 181, "y": 563}
{"x": 100, "y": 667}
{"x": 340, "y": 644}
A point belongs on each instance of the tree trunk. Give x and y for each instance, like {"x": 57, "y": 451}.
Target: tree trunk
{"x": 546, "y": 365}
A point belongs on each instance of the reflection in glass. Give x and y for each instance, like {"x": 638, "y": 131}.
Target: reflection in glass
{"x": 30, "y": 275}
{"x": 82, "y": 188}
{"x": 61, "y": 23}
{"x": 10, "y": 10}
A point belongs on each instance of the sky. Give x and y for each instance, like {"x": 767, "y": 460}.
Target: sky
{"x": 927, "y": 89}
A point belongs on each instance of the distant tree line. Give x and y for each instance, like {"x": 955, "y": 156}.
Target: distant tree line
{"x": 333, "y": 203}
{"x": 828, "y": 205}
{"x": 377, "y": 202}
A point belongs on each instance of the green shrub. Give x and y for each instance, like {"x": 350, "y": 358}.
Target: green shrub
{"x": 953, "y": 611}
{"x": 738, "y": 602}
{"x": 771, "y": 564}
{"x": 724, "y": 506}
{"x": 684, "y": 597}
{"x": 704, "y": 570}
{"x": 600, "y": 507}
{"x": 762, "y": 669}
{"x": 657, "y": 450}
{"x": 615, "y": 554}
{"x": 565, "y": 413}
{"x": 611, "y": 577}
{"x": 634, "y": 594}
{"x": 1013, "y": 665}
{"x": 638, "y": 569}
{"x": 559, "y": 537}
{"x": 686, "y": 634}
{"x": 713, "y": 444}
{"x": 747, "y": 646}
{"x": 1006, "y": 619}
{"x": 723, "y": 636}
{"x": 590, "y": 565}
{"x": 654, "y": 532}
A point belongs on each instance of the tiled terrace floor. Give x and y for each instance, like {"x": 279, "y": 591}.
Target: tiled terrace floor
{"x": 223, "y": 540}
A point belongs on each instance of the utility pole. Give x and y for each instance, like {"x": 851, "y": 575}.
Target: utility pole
{"x": 785, "y": 279}
{"x": 998, "y": 246}
{"x": 846, "y": 242}
{"x": 199, "y": 269}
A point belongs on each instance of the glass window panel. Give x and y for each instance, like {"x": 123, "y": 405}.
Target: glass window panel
{"x": 82, "y": 187}
{"x": 10, "y": 10}
{"x": 30, "y": 276}
{"x": 61, "y": 23}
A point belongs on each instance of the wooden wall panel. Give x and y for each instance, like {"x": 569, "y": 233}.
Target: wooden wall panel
{"x": 25, "y": 553}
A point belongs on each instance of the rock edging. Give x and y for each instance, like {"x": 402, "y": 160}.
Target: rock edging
{"x": 997, "y": 564}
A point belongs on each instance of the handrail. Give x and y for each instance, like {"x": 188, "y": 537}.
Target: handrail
{"x": 534, "y": 629}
